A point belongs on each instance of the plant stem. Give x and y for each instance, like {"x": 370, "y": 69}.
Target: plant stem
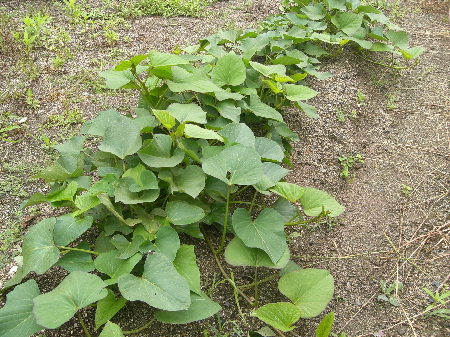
{"x": 269, "y": 278}
{"x": 86, "y": 331}
{"x": 225, "y": 223}
{"x": 256, "y": 284}
{"x": 208, "y": 242}
{"x": 316, "y": 219}
{"x": 253, "y": 202}
{"x": 78, "y": 250}
{"x": 146, "y": 325}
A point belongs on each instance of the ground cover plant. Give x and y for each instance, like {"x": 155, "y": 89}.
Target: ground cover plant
{"x": 197, "y": 112}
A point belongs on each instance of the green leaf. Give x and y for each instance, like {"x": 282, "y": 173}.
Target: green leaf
{"x": 122, "y": 138}
{"x": 201, "y": 307}
{"x": 158, "y": 152}
{"x": 309, "y": 289}
{"x": 67, "y": 228}
{"x": 228, "y": 110}
{"x": 99, "y": 124}
{"x": 229, "y": 70}
{"x": 111, "y": 330}
{"x": 295, "y": 92}
{"x": 238, "y": 133}
{"x": 261, "y": 109}
{"x": 315, "y": 12}
{"x": 398, "y": 39}
{"x": 16, "y": 316}
{"x": 183, "y": 80}
{"x": 272, "y": 173}
{"x": 125, "y": 247}
{"x": 64, "y": 193}
{"x": 313, "y": 200}
{"x": 191, "y": 180}
{"x": 77, "y": 290}
{"x": 107, "y": 308}
{"x": 308, "y": 109}
{"x": 411, "y": 53}
{"x": 73, "y": 146}
{"x": 186, "y": 265}
{"x": 167, "y": 243}
{"x": 238, "y": 254}
{"x": 280, "y": 315}
{"x": 265, "y": 232}
{"x": 269, "y": 149}
{"x": 157, "y": 59}
{"x": 74, "y": 260}
{"x": 38, "y": 249}
{"x": 143, "y": 179}
{"x": 348, "y": 22}
{"x": 67, "y": 166}
{"x": 235, "y": 165}
{"x": 187, "y": 113}
{"x": 124, "y": 195}
{"x": 288, "y": 191}
{"x": 195, "y": 131}
{"x": 117, "y": 79}
{"x": 286, "y": 209}
{"x": 268, "y": 70}
{"x": 110, "y": 264}
{"x": 183, "y": 213}
{"x": 325, "y": 325}
{"x": 164, "y": 118}
{"x": 160, "y": 286}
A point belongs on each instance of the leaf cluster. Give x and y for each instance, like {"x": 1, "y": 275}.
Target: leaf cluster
{"x": 208, "y": 130}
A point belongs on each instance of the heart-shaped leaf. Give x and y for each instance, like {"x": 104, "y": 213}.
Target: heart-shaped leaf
{"x": 238, "y": 254}
{"x": 182, "y": 213}
{"x": 38, "y": 249}
{"x": 348, "y": 22}
{"x": 191, "y": 180}
{"x": 269, "y": 149}
{"x": 265, "y": 232}
{"x": 280, "y": 315}
{"x": 158, "y": 152}
{"x": 272, "y": 173}
{"x": 167, "y": 243}
{"x": 295, "y": 92}
{"x": 229, "y": 70}
{"x": 111, "y": 330}
{"x": 309, "y": 289}
{"x": 195, "y": 131}
{"x": 160, "y": 286}
{"x": 187, "y": 113}
{"x": 99, "y": 124}
{"x": 16, "y": 317}
{"x": 165, "y": 118}
{"x": 235, "y": 165}
{"x": 76, "y": 291}
{"x": 314, "y": 200}
{"x": 67, "y": 228}
{"x": 238, "y": 133}
{"x": 186, "y": 264}
{"x": 289, "y": 191}
{"x": 201, "y": 307}
{"x": 110, "y": 264}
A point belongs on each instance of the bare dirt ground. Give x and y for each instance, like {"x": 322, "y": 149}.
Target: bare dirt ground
{"x": 396, "y": 227}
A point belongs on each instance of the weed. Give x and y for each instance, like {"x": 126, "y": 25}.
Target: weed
{"x": 360, "y": 97}
{"x": 65, "y": 120}
{"x": 33, "y": 30}
{"x": 341, "y": 115}
{"x": 406, "y": 190}
{"x": 31, "y": 101}
{"x": 439, "y": 299}
{"x": 9, "y": 123}
{"x": 391, "y": 101}
{"x": 348, "y": 162}
{"x": 389, "y": 293}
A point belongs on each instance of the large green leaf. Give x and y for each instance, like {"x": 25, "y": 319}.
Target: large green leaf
{"x": 183, "y": 80}
{"x": 77, "y": 290}
{"x": 38, "y": 249}
{"x": 228, "y": 110}
{"x": 272, "y": 173}
{"x": 265, "y": 232}
{"x": 291, "y": 192}
{"x": 295, "y": 92}
{"x": 158, "y": 152}
{"x": 99, "y": 124}
{"x": 186, "y": 265}
{"x": 187, "y": 113}
{"x": 107, "y": 308}
{"x": 268, "y": 70}
{"x": 160, "y": 286}
{"x": 201, "y": 307}
{"x": 143, "y": 179}
{"x": 183, "y": 213}
{"x": 122, "y": 137}
{"x": 157, "y": 59}
{"x": 111, "y": 330}
{"x": 238, "y": 254}
{"x": 67, "y": 228}
{"x": 125, "y": 247}
{"x": 110, "y": 264}
{"x": 315, "y": 12}
{"x": 229, "y": 70}
{"x": 280, "y": 315}
{"x": 238, "y": 133}
{"x": 165, "y": 118}
{"x": 309, "y": 289}
{"x": 348, "y": 22}
{"x": 117, "y": 79}
{"x": 123, "y": 193}
{"x": 73, "y": 146}
{"x": 16, "y": 317}
{"x": 286, "y": 209}
{"x": 238, "y": 164}
{"x": 314, "y": 200}
{"x": 398, "y": 39}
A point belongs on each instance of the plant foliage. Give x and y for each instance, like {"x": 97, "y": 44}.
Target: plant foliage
{"x": 209, "y": 125}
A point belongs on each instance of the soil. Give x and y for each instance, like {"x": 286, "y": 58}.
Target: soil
{"x": 397, "y": 220}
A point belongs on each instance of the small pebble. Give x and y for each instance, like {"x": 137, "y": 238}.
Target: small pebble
{"x": 358, "y": 302}
{"x": 13, "y": 270}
